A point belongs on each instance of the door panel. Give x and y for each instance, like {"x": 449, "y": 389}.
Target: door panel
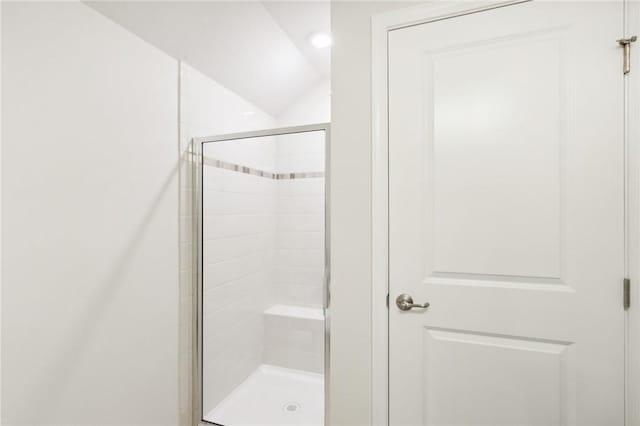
{"x": 506, "y": 208}
{"x": 460, "y": 365}
{"x": 513, "y": 172}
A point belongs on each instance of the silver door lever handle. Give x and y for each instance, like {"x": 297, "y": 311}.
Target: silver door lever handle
{"x": 405, "y": 303}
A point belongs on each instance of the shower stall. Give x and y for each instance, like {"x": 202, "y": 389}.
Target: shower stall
{"x": 262, "y": 318}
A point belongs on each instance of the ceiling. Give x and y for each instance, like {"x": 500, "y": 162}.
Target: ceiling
{"x": 300, "y": 19}
{"x": 259, "y": 50}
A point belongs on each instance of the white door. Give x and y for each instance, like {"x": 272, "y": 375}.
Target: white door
{"x": 506, "y": 214}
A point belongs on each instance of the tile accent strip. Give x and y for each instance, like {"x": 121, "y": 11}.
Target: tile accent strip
{"x": 256, "y": 172}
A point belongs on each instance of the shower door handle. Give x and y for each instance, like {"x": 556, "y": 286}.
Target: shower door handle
{"x": 405, "y": 303}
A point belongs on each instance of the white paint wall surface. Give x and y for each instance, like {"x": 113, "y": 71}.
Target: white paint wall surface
{"x": 90, "y": 241}
{"x": 313, "y": 107}
{"x": 351, "y": 210}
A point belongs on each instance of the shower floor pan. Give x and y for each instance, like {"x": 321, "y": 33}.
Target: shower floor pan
{"x": 273, "y": 396}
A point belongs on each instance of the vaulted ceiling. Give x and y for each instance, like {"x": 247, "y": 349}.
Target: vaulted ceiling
{"x": 259, "y": 50}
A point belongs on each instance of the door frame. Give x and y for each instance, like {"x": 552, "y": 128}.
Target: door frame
{"x": 381, "y": 24}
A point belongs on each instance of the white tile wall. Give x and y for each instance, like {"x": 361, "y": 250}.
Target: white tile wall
{"x": 299, "y": 255}
{"x": 263, "y": 245}
{"x": 239, "y": 226}
{"x": 300, "y": 221}
{"x": 294, "y": 343}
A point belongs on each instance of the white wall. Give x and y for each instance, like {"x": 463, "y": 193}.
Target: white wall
{"x": 90, "y": 241}
{"x": 313, "y": 107}
{"x": 351, "y": 210}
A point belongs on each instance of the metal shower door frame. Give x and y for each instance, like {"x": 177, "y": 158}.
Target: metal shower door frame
{"x": 197, "y": 164}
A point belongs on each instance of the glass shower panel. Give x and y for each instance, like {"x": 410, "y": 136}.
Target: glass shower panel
{"x": 262, "y": 288}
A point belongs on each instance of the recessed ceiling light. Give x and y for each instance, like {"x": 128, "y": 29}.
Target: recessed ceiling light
{"x": 320, "y": 40}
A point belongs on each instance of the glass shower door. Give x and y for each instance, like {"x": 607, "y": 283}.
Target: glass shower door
{"x": 262, "y": 287}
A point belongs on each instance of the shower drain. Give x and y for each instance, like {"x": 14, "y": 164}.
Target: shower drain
{"x": 291, "y": 407}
